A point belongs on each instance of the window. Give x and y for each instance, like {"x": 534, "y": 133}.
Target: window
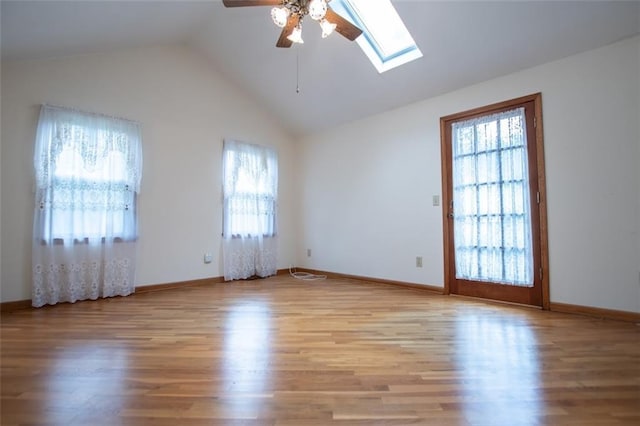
{"x": 250, "y": 185}
{"x": 88, "y": 171}
{"x": 385, "y": 39}
{"x": 250, "y": 192}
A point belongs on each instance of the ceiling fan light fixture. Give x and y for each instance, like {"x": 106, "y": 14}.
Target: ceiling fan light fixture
{"x": 280, "y": 15}
{"x": 296, "y": 35}
{"x": 289, "y": 14}
{"x": 327, "y": 28}
{"x": 317, "y": 9}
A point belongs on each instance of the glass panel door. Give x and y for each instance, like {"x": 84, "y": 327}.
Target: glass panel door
{"x": 492, "y": 220}
{"x": 492, "y": 185}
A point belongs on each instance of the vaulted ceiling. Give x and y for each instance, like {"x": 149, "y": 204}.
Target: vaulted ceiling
{"x": 463, "y": 42}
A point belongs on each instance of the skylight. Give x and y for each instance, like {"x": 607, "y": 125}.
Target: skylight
{"x": 385, "y": 39}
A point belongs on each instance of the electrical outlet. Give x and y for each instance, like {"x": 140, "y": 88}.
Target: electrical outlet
{"x": 208, "y": 257}
{"x": 308, "y": 252}
{"x": 418, "y": 261}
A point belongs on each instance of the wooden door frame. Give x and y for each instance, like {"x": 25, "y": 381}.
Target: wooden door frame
{"x": 536, "y": 98}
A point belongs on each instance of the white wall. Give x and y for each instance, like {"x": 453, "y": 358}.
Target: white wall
{"x": 363, "y": 190}
{"x": 186, "y": 109}
{"x": 366, "y": 188}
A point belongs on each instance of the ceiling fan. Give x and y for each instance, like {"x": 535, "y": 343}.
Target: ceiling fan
{"x": 288, "y": 15}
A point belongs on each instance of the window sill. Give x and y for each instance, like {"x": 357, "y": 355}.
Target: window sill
{"x": 238, "y": 236}
{"x": 86, "y": 241}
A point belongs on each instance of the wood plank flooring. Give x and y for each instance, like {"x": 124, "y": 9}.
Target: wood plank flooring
{"x": 282, "y": 351}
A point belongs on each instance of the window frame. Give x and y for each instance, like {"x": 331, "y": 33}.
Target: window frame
{"x": 270, "y": 196}
{"x": 61, "y": 171}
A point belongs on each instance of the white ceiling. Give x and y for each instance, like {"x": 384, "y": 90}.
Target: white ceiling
{"x": 463, "y": 42}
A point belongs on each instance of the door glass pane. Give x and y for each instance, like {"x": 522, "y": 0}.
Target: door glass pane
{"x": 492, "y": 222}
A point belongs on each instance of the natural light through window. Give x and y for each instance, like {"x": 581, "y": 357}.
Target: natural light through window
{"x": 385, "y": 39}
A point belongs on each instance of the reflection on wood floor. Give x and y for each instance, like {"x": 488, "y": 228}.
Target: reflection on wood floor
{"x": 282, "y": 351}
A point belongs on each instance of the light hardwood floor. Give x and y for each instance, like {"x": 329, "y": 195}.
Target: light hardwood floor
{"x": 290, "y": 352}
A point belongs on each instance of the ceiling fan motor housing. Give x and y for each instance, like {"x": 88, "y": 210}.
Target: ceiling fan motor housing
{"x": 298, "y": 7}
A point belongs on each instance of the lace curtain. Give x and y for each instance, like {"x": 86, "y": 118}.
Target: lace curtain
{"x": 250, "y": 190}
{"x": 87, "y": 172}
{"x": 492, "y": 224}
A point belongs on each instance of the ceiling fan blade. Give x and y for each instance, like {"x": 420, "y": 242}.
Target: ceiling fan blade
{"x": 283, "y": 41}
{"x": 343, "y": 26}
{"x": 243, "y": 3}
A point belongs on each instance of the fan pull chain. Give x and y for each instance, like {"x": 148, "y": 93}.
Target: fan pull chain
{"x": 297, "y": 73}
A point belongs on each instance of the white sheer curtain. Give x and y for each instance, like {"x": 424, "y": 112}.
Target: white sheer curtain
{"x": 250, "y": 192}
{"x": 492, "y": 225}
{"x": 88, "y": 169}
